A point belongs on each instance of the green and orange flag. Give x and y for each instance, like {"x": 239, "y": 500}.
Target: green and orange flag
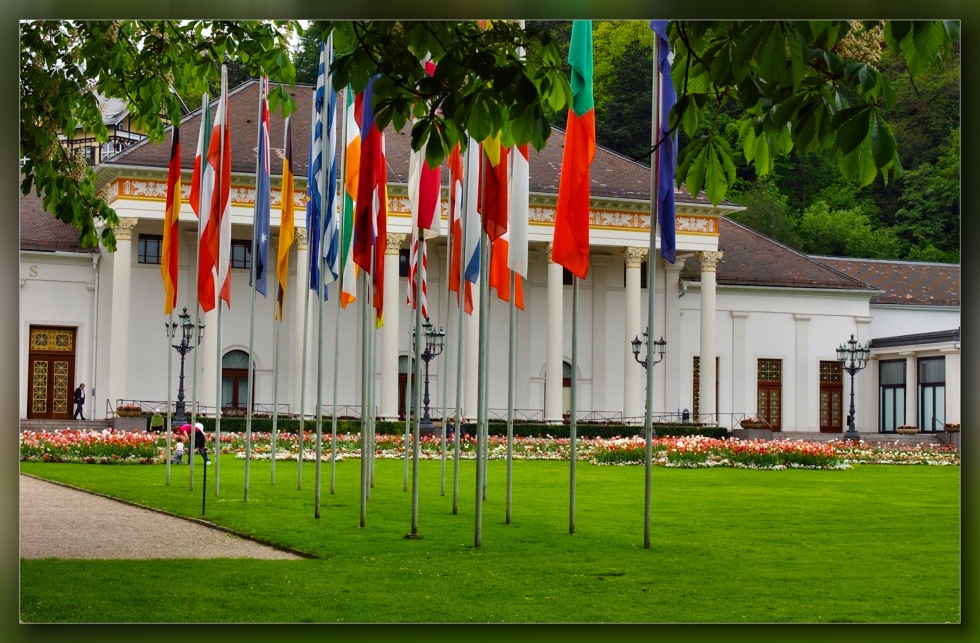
{"x": 570, "y": 246}
{"x": 168, "y": 258}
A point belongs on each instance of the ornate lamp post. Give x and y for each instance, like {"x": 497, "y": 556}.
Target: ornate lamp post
{"x": 852, "y": 357}
{"x": 434, "y": 342}
{"x": 660, "y": 347}
{"x": 184, "y": 347}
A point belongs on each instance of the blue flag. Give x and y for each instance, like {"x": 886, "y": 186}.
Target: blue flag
{"x": 260, "y": 230}
{"x": 667, "y": 161}
{"x": 331, "y": 230}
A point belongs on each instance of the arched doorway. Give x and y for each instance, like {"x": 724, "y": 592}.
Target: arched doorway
{"x": 234, "y": 381}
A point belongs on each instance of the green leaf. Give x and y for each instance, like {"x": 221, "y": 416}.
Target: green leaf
{"x": 772, "y": 56}
{"x": 883, "y": 145}
{"x": 478, "y": 123}
{"x": 852, "y": 125}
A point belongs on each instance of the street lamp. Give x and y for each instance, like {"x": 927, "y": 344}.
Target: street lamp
{"x": 184, "y": 347}
{"x": 434, "y": 342}
{"x": 852, "y": 357}
{"x": 660, "y": 347}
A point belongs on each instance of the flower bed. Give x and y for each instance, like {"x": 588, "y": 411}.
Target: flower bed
{"x": 697, "y": 451}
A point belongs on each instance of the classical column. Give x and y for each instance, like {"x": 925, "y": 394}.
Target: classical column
{"x": 953, "y": 383}
{"x": 596, "y": 347}
{"x": 802, "y": 379}
{"x": 298, "y": 295}
{"x": 201, "y": 390}
{"x": 867, "y": 399}
{"x": 388, "y": 400}
{"x": 119, "y": 348}
{"x": 708, "y": 406}
{"x": 672, "y": 333}
{"x": 553, "y": 361}
{"x": 633, "y": 374}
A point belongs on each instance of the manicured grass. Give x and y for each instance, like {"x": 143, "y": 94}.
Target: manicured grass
{"x": 868, "y": 544}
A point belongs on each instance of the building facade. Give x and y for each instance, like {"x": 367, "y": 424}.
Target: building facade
{"x": 758, "y": 319}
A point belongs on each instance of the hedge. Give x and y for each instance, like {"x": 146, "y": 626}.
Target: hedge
{"x": 525, "y": 429}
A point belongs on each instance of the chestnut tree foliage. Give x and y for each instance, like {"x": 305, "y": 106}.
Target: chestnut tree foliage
{"x": 808, "y": 85}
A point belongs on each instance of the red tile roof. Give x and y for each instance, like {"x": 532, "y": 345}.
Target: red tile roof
{"x": 753, "y": 259}
{"x": 613, "y": 175}
{"x": 39, "y": 230}
{"x": 903, "y": 282}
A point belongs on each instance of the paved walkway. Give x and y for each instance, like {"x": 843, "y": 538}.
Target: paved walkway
{"x": 62, "y": 522}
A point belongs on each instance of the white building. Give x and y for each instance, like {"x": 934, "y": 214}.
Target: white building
{"x": 768, "y": 317}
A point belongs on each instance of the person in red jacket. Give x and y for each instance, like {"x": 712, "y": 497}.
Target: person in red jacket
{"x": 200, "y": 442}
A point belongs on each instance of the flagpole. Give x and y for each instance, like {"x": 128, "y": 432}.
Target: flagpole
{"x": 205, "y": 113}
{"x": 510, "y": 391}
{"x": 461, "y": 305}
{"x": 648, "y": 430}
{"x": 481, "y": 388}
{"x": 275, "y": 401}
{"x": 409, "y": 402}
{"x": 365, "y": 367}
{"x": 340, "y": 296}
{"x": 217, "y": 404}
{"x": 417, "y": 398}
{"x": 223, "y": 105}
{"x": 253, "y": 278}
{"x": 170, "y": 385}
{"x": 573, "y": 408}
{"x": 321, "y": 287}
{"x": 372, "y": 379}
{"x": 302, "y": 393}
{"x": 445, "y": 376}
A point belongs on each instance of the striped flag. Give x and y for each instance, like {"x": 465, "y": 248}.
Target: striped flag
{"x": 493, "y": 188}
{"x": 571, "y": 241}
{"x": 413, "y": 266}
{"x": 471, "y": 233}
{"x": 287, "y": 223}
{"x": 371, "y": 205}
{"x": 168, "y": 258}
{"x": 424, "y": 187}
{"x": 263, "y": 195}
{"x": 352, "y": 161}
{"x": 198, "y": 196}
{"x": 667, "y": 151}
{"x": 328, "y": 115}
{"x": 314, "y": 201}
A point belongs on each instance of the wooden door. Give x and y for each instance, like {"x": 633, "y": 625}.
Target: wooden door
{"x": 770, "y": 403}
{"x": 831, "y": 397}
{"x": 51, "y": 381}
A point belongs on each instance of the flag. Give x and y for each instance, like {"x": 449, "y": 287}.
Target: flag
{"x": 202, "y": 184}
{"x": 493, "y": 188}
{"x": 200, "y": 160}
{"x": 287, "y": 223}
{"x": 328, "y": 115}
{"x": 518, "y": 210}
{"x": 371, "y": 205}
{"x": 455, "y": 163}
{"x": 219, "y": 155}
{"x": 424, "y": 187}
{"x": 500, "y": 272}
{"x": 570, "y": 247}
{"x": 471, "y": 233}
{"x": 352, "y": 161}
{"x": 667, "y": 151}
{"x": 314, "y": 202}
{"x": 263, "y": 195}
{"x": 168, "y": 258}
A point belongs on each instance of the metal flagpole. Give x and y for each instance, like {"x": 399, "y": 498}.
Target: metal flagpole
{"x": 460, "y": 356}
{"x": 409, "y": 405}
{"x": 251, "y": 326}
{"x": 445, "y": 375}
{"x": 319, "y": 354}
{"x": 336, "y": 331}
{"x": 275, "y": 401}
{"x": 510, "y": 391}
{"x": 372, "y": 378}
{"x": 365, "y": 320}
{"x": 648, "y": 429}
{"x": 302, "y": 393}
{"x": 481, "y": 387}
{"x": 197, "y": 305}
{"x": 170, "y": 386}
{"x": 417, "y": 399}
{"x": 217, "y": 405}
{"x": 572, "y": 451}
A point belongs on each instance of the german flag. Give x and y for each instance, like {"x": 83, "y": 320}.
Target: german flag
{"x": 168, "y": 260}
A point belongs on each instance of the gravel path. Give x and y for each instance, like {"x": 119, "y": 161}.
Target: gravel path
{"x": 62, "y": 522}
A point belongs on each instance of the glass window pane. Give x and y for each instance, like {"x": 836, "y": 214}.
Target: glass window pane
{"x": 226, "y": 391}
{"x": 940, "y": 409}
{"x": 899, "y": 406}
{"x": 235, "y": 359}
{"x": 242, "y": 392}
{"x": 927, "y": 408}
{"x": 892, "y": 372}
{"x": 932, "y": 370}
{"x": 888, "y": 402}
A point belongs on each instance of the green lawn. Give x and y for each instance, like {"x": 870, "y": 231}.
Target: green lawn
{"x": 868, "y": 544}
